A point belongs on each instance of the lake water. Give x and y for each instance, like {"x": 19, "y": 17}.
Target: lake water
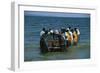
{"x": 34, "y": 24}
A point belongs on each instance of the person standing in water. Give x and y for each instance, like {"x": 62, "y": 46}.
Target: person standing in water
{"x": 70, "y": 36}
{"x": 42, "y": 32}
{"x": 67, "y": 38}
{"x": 76, "y": 34}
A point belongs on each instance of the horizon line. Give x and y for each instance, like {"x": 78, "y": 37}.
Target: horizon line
{"x": 56, "y": 14}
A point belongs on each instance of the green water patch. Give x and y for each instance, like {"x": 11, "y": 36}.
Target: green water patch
{"x": 80, "y": 51}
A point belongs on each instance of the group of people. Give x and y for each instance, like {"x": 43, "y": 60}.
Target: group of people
{"x": 71, "y": 36}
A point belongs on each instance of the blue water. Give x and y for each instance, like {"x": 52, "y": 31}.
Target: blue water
{"x": 34, "y": 24}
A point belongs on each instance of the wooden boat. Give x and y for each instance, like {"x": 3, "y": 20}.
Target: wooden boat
{"x": 52, "y": 42}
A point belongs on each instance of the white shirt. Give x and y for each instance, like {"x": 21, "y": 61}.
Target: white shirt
{"x": 41, "y": 33}
{"x": 78, "y": 32}
{"x": 71, "y": 34}
{"x": 51, "y": 31}
{"x": 56, "y": 31}
{"x": 66, "y": 35}
{"x": 67, "y": 28}
{"x": 63, "y": 35}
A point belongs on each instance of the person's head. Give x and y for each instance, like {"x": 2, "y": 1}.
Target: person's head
{"x": 75, "y": 29}
{"x": 72, "y": 30}
{"x": 69, "y": 28}
{"x": 49, "y": 29}
{"x": 43, "y": 29}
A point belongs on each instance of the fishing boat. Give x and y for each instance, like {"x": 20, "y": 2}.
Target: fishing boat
{"x": 52, "y": 42}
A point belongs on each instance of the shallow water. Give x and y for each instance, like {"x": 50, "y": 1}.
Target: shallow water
{"x": 33, "y": 26}
{"x": 81, "y": 51}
